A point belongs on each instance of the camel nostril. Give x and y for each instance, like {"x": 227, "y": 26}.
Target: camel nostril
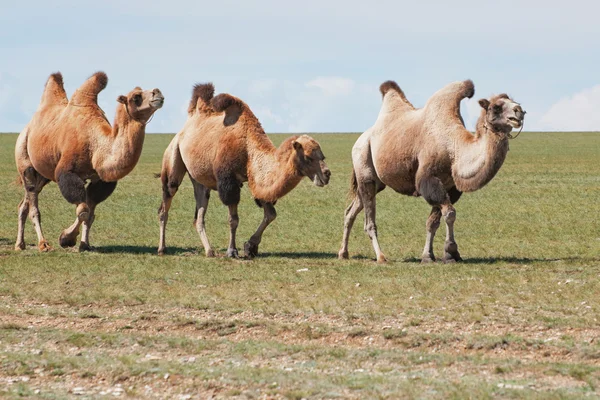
{"x": 327, "y": 173}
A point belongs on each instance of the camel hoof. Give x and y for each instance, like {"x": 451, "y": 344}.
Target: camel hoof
{"x": 381, "y": 259}
{"x": 232, "y": 253}
{"x": 67, "y": 241}
{"x": 161, "y": 252}
{"x": 427, "y": 260}
{"x": 451, "y": 258}
{"x": 44, "y": 246}
{"x": 210, "y": 253}
{"x": 20, "y": 246}
{"x": 84, "y": 247}
{"x": 251, "y": 250}
{"x": 343, "y": 255}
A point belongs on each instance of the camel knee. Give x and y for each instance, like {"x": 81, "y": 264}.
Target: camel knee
{"x": 72, "y": 187}
{"x": 371, "y": 229}
{"x": 450, "y": 216}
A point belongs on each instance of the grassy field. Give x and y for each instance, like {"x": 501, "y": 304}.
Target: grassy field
{"x": 517, "y": 319}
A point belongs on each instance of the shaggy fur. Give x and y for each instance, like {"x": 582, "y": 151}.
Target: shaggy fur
{"x": 222, "y": 150}
{"x": 203, "y": 92}
{"x": 428, "y": 152}
{"x": 70, "y": 142}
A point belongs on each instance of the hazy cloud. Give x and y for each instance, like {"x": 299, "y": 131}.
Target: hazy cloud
{"x": 579, "y": 112}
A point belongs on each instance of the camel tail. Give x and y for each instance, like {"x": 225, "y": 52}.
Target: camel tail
{"x": 87, "y": 93}
{"x": 223, "y": 101}
{"x": 203, "y": 92}
{"x": 388, "y": 86}
{"x": 353, "y": 185}
{"x": 54, "y": 91}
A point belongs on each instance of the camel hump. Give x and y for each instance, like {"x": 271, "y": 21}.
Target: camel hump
{"x": 468, "y": 89}
{"x": 203, "y": 92}
{"x": 54, "y": 91}
{"x": 88, "y": 92}
{"x": 386, "y": 86}
{"x": 223, "y": 101}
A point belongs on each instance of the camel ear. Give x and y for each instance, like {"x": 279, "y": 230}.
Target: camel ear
{"x": 297, "y": 145}
{"x": 122, "y": 99}
{"x": 484, "y": 103}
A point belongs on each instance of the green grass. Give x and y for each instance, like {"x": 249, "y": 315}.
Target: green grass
{"x": 518, "y": 318}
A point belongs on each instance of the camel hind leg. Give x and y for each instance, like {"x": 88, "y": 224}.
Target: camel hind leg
{"x": 368, "y": 191}
{"x": 202, "y": 195}
{"x": 451, "y": 253}
{"x": 173, "y": 171}
{"x": 431, "y": 226}
{"x": 349, "y": 217}
{"x": 33, "y": 184}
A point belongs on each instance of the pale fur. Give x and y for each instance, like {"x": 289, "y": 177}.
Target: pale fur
{"x": 428, "y": 152}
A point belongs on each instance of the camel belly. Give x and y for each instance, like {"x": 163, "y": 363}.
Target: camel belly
{"x": 399, "y": 174}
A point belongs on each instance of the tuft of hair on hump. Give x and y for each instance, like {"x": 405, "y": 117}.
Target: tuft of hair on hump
{"x": 100, "y": 82}
{"x": 468, "y": 88}
{"x": 390, "y": 85}
{"x": 202, "y": 91}
{"x": 223, "y": 101}
{"x": 57, "y": 77}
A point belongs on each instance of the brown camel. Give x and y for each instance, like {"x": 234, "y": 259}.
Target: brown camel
{"x": 222, "y": 145}
{"x": 71, "y": 142}
{"x": 428, "y": 152}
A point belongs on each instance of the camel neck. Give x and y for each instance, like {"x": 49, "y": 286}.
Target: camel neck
{"x": 478, "y": 157}
{"x": 123, "y": 148}
{"x": 272, "y": 172}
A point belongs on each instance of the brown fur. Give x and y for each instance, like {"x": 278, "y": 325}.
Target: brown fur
{"x": 73, "y": 140}
{"x": 428, "y": 152}
{"x": 227, "y": 147}
{"x": 203, "y": 92}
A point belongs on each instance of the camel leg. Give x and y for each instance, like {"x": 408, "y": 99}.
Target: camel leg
{"x": 173, "y": 171}
{"x": 350, "y": 216}
{"x": 202, "y": 195}
{"x": 23, "y": 211}
{"x": 433, "y": 223}
{"x": 33, "y": 183}
{"x": 251, "y": 246}
{"x": 451, "y": 253}
{"x": 368, "y": 191}
{"x": 96, "y": 193}
{"x": 72, "y": 187}
{"x": 233, "y": 224}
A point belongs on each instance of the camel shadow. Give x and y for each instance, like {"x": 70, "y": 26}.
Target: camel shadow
{"x": 509, "y": 260}
{"x": 306, "y": 254}
{"x": 115, "y": 249}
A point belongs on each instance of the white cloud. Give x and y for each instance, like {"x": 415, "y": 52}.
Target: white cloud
{"x": 579, "y": 112}
{"x": 332, "y": 85}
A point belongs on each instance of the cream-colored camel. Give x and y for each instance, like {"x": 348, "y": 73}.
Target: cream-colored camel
{"x": 222, "y": 145}
{"x": 71, "y": 142}
{"x": 428, "y": 152}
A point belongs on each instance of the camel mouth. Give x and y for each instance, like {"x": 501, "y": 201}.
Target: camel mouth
{"x": 515, "y": 122}
{"x": 320, "y": 181}
{"x": 158, "y": 103}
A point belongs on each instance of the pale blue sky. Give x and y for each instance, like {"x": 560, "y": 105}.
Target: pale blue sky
{"x": 310, "y": 66}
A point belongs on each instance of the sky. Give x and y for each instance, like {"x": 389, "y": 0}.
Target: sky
{"x": 309, "y": 66}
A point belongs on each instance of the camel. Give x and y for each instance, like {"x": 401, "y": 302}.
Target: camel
{"x": 428, "y": 152}
{"x": 221, "y": 146}
{"x": 71, "y": 142}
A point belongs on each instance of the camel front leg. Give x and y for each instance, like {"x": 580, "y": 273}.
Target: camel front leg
{"x": 451, "y": 253}
{"x": 96, "y": 193}
{"x": 72, "y": 187}
{"x": 251, "y": 246}
{"x": 368, "y": 192}
{"x": 233, "y": 224}
{"x": 202, "y": 195}
{"x": 433, "y": 223}
{"x": 350, "y": 216}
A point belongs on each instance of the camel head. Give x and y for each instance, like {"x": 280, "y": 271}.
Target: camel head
{"x": 141, "y": 104}
{"x": 310, "y": 160}
{"x": 502, "y": 113}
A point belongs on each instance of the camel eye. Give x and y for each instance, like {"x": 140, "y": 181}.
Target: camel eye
{"x": 137, "y": 99}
